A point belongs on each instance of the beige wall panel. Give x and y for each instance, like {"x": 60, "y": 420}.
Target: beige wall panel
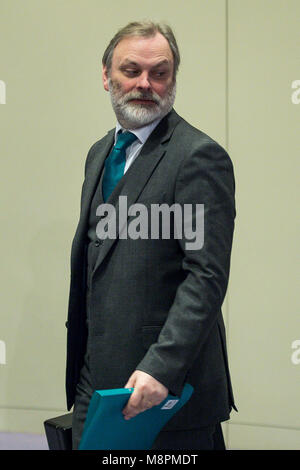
{"x": 264, "y": 44}
{"x": 55, "y": 110}
{"x": 245, "y": 437}
{"x": 26, "y": 420}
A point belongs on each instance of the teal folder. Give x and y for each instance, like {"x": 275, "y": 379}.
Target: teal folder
{"x": 106, "y": 429}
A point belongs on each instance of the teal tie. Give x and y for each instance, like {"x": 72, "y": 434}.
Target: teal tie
{"x": 115, "y": 163}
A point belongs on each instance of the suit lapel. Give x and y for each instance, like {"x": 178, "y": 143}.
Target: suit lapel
{"x": 91, "y": 180}
{"x": 136, "y": 177}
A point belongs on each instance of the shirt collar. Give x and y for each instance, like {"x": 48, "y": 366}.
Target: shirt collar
{"x": 142, "y": 133}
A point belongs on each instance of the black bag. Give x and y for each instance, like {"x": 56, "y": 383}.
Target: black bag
{"x": 59, "y": 432}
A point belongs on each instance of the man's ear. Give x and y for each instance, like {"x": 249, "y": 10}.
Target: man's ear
{"x": 105, "y": 77}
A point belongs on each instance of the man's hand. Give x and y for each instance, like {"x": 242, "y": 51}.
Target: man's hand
{"x": 147, "y": 392}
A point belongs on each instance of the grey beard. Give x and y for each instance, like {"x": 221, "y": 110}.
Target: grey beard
{"x": 133, "y": 116}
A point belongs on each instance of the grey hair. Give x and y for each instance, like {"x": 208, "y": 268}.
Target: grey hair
{"x": 145, "y": 28}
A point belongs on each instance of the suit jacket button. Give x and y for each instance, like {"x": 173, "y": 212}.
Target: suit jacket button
{"x": 97, "y": 243}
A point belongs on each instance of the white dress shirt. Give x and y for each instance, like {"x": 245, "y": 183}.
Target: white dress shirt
{"x": 142, "y": 135}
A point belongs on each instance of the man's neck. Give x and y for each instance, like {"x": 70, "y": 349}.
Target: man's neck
{"x": 142, "y": 132}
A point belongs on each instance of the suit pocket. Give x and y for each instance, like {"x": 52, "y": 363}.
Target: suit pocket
{"x": 150, "y": 335}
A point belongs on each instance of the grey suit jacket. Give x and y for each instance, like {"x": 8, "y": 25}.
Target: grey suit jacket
{"x": 156, "y": 305}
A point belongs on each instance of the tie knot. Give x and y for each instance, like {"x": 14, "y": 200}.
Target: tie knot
{"x": 124, "y": 140}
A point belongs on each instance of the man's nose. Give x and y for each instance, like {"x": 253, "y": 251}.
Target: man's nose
{"x": 143, "y": 81}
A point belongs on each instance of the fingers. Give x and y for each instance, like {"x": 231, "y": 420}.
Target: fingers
{"x": 137, "y": 404}
{"x": 148, "y": 392}
{"x": 130, "y": 383}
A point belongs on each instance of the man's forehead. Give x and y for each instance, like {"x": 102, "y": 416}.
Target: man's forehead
{"x": 125, "y": 61}
{"x": 133, "y": 48}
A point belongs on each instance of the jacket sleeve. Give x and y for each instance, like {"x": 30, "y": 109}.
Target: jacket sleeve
{"x": 205, "y": 177}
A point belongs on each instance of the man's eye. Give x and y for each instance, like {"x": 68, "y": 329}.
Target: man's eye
{"x": 160, "y": 73}
{"x": 131, "y": 72}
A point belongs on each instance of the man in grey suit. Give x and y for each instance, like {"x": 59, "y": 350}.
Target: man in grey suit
{"x": 145, "y": 302}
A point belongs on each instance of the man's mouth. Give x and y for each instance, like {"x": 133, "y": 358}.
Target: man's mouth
{"x": 142, "y": 101}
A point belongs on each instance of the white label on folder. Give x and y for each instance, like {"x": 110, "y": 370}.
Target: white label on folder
{"x": 169, "y": 404}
